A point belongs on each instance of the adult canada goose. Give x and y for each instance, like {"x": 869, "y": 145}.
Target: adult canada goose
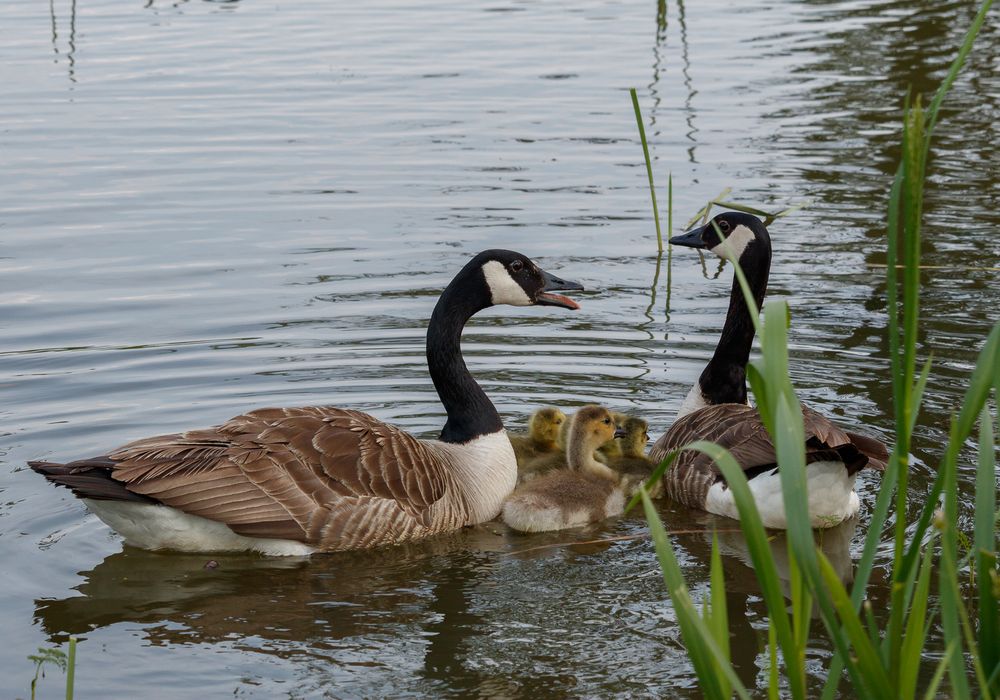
{"x": 716, "y": 408}
{"x": 633, "y": 464}
{"x": 585, "y": 492}
{"x": 292, "y": 481}
{"x": 543, "y": 435}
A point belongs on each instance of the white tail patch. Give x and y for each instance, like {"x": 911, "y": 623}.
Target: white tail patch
{"x": 153, "y": 526}
{"x": 832, "y": 499}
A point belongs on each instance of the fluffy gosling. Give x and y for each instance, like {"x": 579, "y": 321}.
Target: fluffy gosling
{"x": 633, "y": 465}
{"x": 585, "y": 492}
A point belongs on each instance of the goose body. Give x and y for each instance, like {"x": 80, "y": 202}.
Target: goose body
{"x": 587, "y": 491}
{"x": 292, "y": 481}
{"x": 716, "y": 409}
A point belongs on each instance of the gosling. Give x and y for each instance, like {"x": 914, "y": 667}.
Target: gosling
{"x": 544, "y": 429}
{"x": 585, "y": 492}
{"x": 633, "y": 465}
{"x": 612, "y": 449}
{"x": 556, "y": 459}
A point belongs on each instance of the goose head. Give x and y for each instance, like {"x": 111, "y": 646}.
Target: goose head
{"x": 730, "y": 235}
{"x": 512, "y": 278}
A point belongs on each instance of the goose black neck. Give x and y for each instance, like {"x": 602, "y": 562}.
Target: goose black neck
{"x": 724, "y": 378}
{"x": 470, "y": 412}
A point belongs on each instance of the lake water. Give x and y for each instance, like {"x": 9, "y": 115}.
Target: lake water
{"x": 207, "y": 207}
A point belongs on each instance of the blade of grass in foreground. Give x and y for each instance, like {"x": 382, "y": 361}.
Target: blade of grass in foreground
{"x": 984, "y": 545}
{"x": 649, "y": 167}
{"x": 705, "y": 654}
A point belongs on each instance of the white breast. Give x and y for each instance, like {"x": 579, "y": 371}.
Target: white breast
{"x": 693, "y": 401}
{"x": 485, "y": 470}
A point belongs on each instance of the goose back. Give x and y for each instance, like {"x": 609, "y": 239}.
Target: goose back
{"x": 330, "y": 478}
{"x": 739, "y": 429}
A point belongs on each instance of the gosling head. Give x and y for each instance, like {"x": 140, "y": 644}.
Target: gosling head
{"x": 729, "y": 235}
{"x": 546, "y": 424}
{"x": 512, "y": 278}
{"x": 612, "y": 449}
{"x": 633, "y": 434}
{"x": 592, "y": 426}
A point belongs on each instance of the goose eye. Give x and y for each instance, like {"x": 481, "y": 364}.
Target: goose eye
{"x": 516, "y": 266}
{"x": 724, "y": 226}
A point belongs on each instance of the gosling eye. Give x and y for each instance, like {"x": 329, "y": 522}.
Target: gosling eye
{"x": 607, "y": 421}
{"x": 516, "y": 266}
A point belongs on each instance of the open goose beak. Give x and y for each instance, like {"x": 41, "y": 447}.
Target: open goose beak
{"x": 619, "y": 432}
{"x": 553, "y": 283}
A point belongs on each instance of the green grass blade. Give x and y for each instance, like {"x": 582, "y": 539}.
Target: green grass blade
{"x": 649, "y": 166}
{"x": 984, "y": 545}
{"x": 657, "y": 474}
{"x": 718, "y": 619}
{"x": 773, "y": 683}
{"x": 705, "y": 654}
{"x": 956, "y": 65}
{"x": 70, "y": 668}
{"x": 916, "y": 630}
{"x": 872, "y": 671}
{"x": 951, "y": 598}
{"x": 762, "y": 558}
{"x": 942, "y": 666}
{"x": 984, "y": 375}
{"x": 707, "y": 209}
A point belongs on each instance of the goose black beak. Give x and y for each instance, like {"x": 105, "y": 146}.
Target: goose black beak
{"x": 619, "y": 432}
{"x": 691, "y": 239}
{"x": 553, "y": 283}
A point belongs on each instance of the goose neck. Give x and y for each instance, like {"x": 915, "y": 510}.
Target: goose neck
{"x": 470, "y": 411}
{"x": 724, "y": 378}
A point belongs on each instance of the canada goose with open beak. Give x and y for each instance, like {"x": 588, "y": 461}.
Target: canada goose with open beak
{"x": 585, "y": 492}
{"x": 292, "y": 481}
{"x": 716, "y": 408}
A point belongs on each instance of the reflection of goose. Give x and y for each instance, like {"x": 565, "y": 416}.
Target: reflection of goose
{"x": 834, "y": 542}
{"x": 298, "y": 480}
{"x": 586, "y": 492}
{"x": 716, "y": 408}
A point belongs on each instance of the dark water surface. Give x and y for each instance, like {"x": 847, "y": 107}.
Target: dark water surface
{"x": 207, "y": 207}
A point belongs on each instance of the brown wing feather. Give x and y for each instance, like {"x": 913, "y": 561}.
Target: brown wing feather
{"x": 739, "y": 429}
{"x": 290, "y": 473}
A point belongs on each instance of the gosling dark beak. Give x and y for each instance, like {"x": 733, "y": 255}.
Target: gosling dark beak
{"x": 691, "y": 239}
{"x": 620, "y": 432}
{"x": 553, "y": 283}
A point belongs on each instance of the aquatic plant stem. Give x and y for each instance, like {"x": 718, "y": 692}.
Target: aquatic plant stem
{"x": 649, "y": 167}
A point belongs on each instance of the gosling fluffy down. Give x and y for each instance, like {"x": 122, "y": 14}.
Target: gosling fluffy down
{"x": 586, "y": 492}
{"x": 543, "y": 438}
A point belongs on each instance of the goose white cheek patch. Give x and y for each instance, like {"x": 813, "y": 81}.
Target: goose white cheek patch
{"x": 503, "y": 288}
{"x": 734, "y": 245}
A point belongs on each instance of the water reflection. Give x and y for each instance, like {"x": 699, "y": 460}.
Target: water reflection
{"x": 71, "y": 54}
